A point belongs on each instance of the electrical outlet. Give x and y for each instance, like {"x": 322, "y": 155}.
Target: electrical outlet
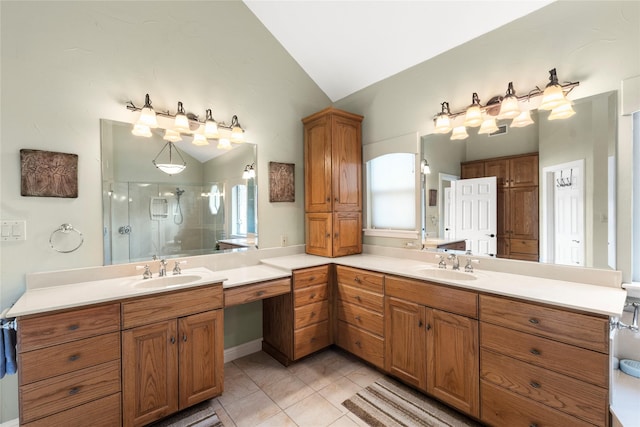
{"x": 283, "y": 240}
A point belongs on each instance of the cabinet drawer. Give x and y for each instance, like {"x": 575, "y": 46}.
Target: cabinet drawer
{"x": 48, "y": 362}
{"x": 310, "y": 277}
{"x": 360, "y": 317}
{"x": 143, "y": 311}
{"x": 569, "y": 327}
{"x": 311, "y": 313}
{"x": 549, "y": 354}
{"x": 361, "y": 343}
{"x": 433, "y": 295}
{"x": 51, "y": 329}
{"x": 366, "y": 299}
{"x": 574, "y": 397}
{"x": 254, "y": 292}
{"x": 310, "y": 294}
{"x": 360, "y": 279}
{"x": 105, "y": 412}
{"x": 521, "y": 246}
{"x": 503, "y": 408}
{"x": 310, "y": 339}
{"x": 63, "y": 392}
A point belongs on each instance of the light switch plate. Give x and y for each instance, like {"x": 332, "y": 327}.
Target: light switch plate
{"x": 13, "y": 230}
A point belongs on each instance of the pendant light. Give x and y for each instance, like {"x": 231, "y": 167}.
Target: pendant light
{"x": 524, "y": 119}
{"x": 210, "y": 126}
{"x": 488, "y": 126}
{"x": 442, "y": 121}
{"x": 147, "y": 115}
{"x": 459, "y": 132}
{"x": 170, "y": 168}
{"x": 509, "y": 106}
{"x": 473, "y": 117}
{"x": 553, "y": 95}
{"x": 181, "y": 122}
{"x": 563, "y": 111}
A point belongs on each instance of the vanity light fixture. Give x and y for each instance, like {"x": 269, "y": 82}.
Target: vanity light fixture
{"x": 249, "y": 171}
{"x": 424, "y": 167}
{"x": 187, "y": 123}
{"x": 509, "y": 106}
{"x": 170, "y": 168}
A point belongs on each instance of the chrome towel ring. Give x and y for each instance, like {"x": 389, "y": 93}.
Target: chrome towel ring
{"x": 65, "y": 229}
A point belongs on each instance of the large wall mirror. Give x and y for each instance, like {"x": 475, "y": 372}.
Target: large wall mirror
{"x": 584, "y": 142}
{"x": 208, "y": 207}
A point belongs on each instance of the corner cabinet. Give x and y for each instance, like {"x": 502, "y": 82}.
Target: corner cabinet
{"x": 517, "y": 205}
{"x": 172, "y": 354}
{"x": 333, "y": 183}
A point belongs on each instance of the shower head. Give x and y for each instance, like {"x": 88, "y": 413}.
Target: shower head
{"x": 179, "y": 191}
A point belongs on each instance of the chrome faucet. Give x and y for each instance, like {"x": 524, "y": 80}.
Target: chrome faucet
{"x": 177, "y": 269}
{"x": 468, "y": 267}
{"x": 455, "y": 262}
{"x": 163, "y": 268}
{"x": 441, "y": 264}
{"x": 147, "y": 272}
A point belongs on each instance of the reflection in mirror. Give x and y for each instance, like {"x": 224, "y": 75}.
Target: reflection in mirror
{"x": 588, "y": 138}
{"x": 206, "y": 208}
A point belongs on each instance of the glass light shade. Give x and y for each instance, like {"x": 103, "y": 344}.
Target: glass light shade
{"x": 473, "y": 117}
{"x": 424, "y": 167}
{"x": 171, "y": 135}
{"x": 443, "y": 123}
{"x": 237, "y": 134}
{"x": 224, "y": 144}
{"x": 210, "y": 129}
{"x": 181, "y": 123}
{"x": 141, "y": 130}
{"x": 245, "y": 174}
{"x": 459, "y": 132}
{"x": 252, "y": 172}
{"x": 199, "y": 139}
{"x": 148, "y": 117}
{"x": 170, "y": 168}
{"x": 509, "y": 107}
{"x": 563, "y": 111}
{"x": 524, "y": 119}
{"x": 488, "y": 126}
{"x": 552, "y": 97}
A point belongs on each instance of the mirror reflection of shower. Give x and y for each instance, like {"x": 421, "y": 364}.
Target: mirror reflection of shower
{"x": 178, "y": 217}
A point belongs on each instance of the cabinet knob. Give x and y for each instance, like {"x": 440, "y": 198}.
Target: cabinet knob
{"x": 419, "y": 323}
{"x": 336, "y": 199}
{"x": 357, "y": 279}
{"x": 313, "y": 314}
{"x": 73, "y": 327}
{"x": 534, "y": 352}
{"x": 357, "y": 318}
{"x": 74, "y": 390}
{"x": 328, "y": 235}
{"x": 359, "y": 344}
{"x": 328, "y": 199}
{"x": 534, "y": 384}
{"x": 260, "y": 293}
{"x": 74, "y": 357}
{"x": 428, "y": 326}
{"x": 173, "y": 340}
{"x": 534, "y": 321}
{"x": 184, "y": 337}
{"x": 312, "y": 296}
{"x": 358, "y": 298}
{"x": 533, "y": 425}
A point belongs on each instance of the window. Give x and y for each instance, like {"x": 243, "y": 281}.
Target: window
{"x": 239, "y": 210}
{"x": 391, "y": 188}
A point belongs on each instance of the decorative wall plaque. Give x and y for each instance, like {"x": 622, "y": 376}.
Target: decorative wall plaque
{"x": 48, "y": 174}
{"x": 281, "y": 182}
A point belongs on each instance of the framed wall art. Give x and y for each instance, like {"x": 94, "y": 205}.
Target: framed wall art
{"x": 48, "y": 174}
{"x": 282, "y": 182}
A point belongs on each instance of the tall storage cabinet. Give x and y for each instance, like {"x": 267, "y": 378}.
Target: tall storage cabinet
{"x": 333, "y": 183}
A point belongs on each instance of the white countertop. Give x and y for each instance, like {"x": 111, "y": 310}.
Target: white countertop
{"x": 595, "y": 299}
{"x": 625, "y": 397}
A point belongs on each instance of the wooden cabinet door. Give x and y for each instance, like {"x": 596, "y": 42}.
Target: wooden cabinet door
{"x": 347, "y": 233}
{"x": 453, "y": 360}
{"x": 201, "y": 357}
{"x": 317, "y": 165}
{"x": 405, "y": 341}
{"x": 499, "y": 169}
{"x": 472, "y": 170}
{"x": 523, "y": 171}
{"x": 318, "y": 231}
{"x": 523, "y": 206}
{"x": 149, "y": 372}
{"x": 346, "y": 153}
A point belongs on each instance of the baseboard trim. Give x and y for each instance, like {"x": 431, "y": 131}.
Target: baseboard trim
{"x": 11, "y": 423}
{"x": 233, "y": 353}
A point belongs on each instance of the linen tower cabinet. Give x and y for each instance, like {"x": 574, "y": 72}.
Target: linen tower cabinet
{"x": 333, "y": 183}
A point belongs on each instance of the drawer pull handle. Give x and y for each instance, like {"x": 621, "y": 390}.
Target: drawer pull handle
{"x": 313, "y": 314}
{"x": 428, "y": 326}
{"x": 73, "y": 327}
{"x": 359, "y": 344}
{"x": 173, "y": 340}
{"x": 357, "y": 279}
{"x": 533, "y": 425}
{"x": 534, "y": 352}
{"x": 74, "y": 357}
{"x": 534, "y": 321}
{"x": 358, "y": 298}
{"x": 419, "y": 323}
{"x": 184, "y": 337}
{"x": 312, "y": 296}
{"x": 74, "y": 390}
{"x": 534, "y": 384}
{"x": 357, "y": 318}
{"x": 260, "y": 293}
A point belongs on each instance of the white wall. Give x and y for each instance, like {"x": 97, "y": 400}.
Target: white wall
{"x": 66, "y": 65}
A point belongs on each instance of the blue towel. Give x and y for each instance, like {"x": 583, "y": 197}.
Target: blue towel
{"x": 10, "y": 365}
{"x": 3, "y": 368}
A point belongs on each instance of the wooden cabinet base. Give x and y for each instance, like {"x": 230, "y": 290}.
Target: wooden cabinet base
{"x": 105, "y": 412}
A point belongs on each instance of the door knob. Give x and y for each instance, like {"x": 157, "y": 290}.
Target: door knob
{"x": 491, "y": 235}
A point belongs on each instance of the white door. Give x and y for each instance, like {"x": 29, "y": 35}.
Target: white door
{"x": 475, "y": 202}
{"x": 569, "y": 216}
{"x": 449, "y": 217}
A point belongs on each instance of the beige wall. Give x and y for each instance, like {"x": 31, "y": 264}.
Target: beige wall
{"x": 66, "y": 65}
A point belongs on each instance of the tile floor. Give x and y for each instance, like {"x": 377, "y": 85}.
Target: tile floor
{"x": 259, "y": 391}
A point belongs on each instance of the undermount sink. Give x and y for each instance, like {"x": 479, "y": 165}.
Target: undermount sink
{"x": 166, "y": 281}
{"x": 438, "y": 273}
